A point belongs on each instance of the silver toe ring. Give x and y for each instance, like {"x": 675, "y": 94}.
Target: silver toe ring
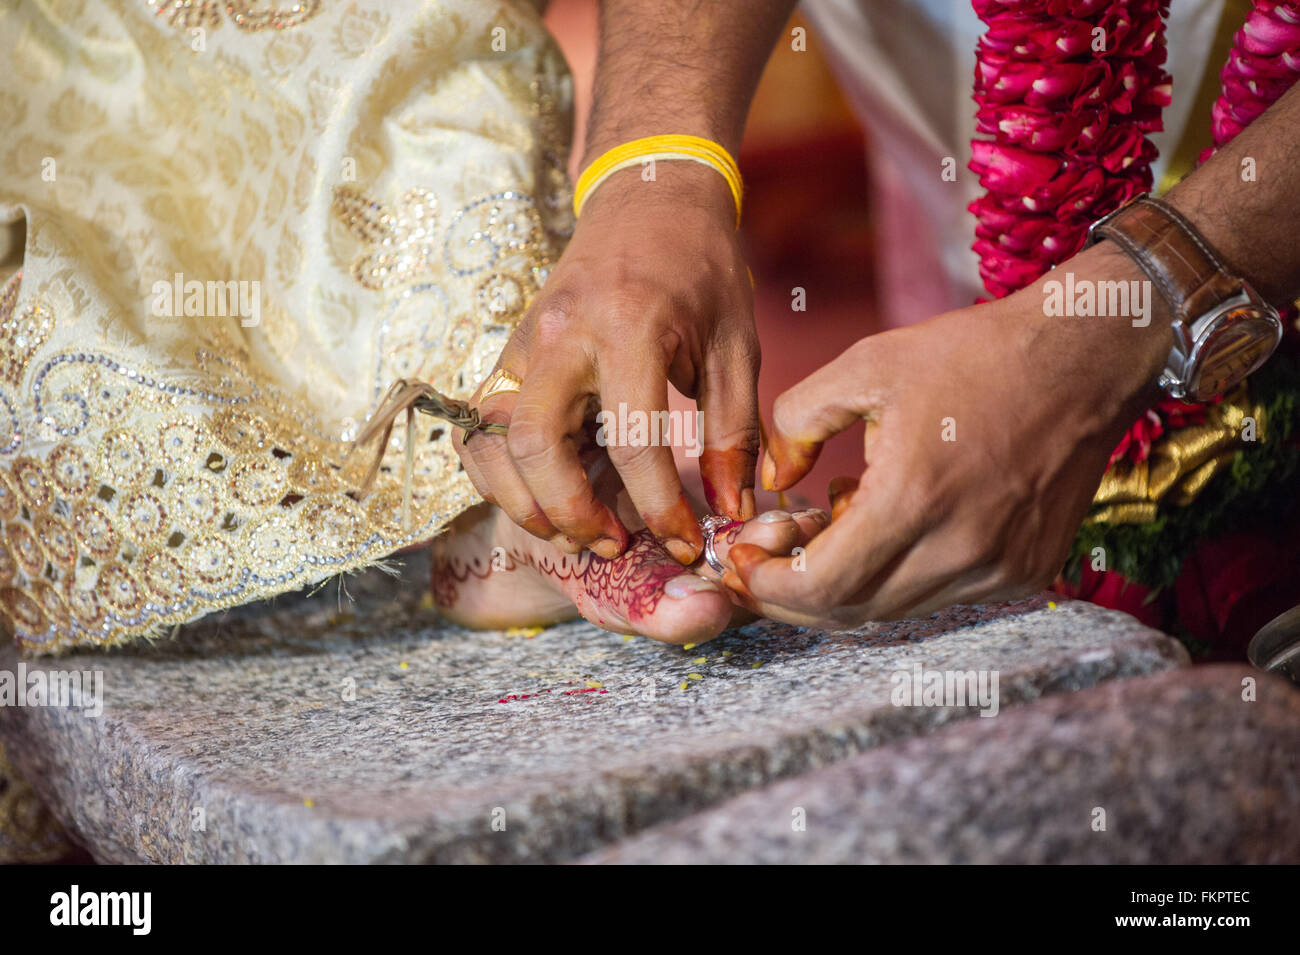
{"x": 710, "y": 526}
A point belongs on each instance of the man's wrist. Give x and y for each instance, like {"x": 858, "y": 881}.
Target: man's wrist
{"x": 602, "y": 137}
{"x": 1112, "y": 355}
{"x": 668, "y": 183}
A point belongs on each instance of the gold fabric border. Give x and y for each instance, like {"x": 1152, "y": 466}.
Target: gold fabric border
{"x": 1181, "y": 463}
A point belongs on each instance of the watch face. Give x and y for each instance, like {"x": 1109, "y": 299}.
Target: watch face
{"x": 1239, "y": 341}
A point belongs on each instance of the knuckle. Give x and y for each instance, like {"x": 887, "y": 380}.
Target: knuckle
{"x": 667, "y": 342}
{"x": 487, "y": 452}
{"x": 526, "y": 442}
{"x": 494, "y": 413}
{"x": 629, "y": 299}
{"x": 522, "y": 510}
{"x": 552, "y": 323}
{"x": 641, "y": 327}
{"x": 746, "y": 438}
{"x": 635, "y": 460}
{"x": 567, "y": 519}
{"x": 798, "y": 415}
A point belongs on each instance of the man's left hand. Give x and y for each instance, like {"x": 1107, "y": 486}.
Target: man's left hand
{"x": 988, "y": 431}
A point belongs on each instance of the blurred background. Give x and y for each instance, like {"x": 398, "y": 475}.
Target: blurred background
{"x": 807, "y": 223}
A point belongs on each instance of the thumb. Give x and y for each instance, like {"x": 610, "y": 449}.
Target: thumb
{"x": 821, "y": 406}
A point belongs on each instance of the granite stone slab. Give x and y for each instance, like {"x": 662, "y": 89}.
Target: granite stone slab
{"x": 1172, "y": 768}
{"x": 315, "y": 730}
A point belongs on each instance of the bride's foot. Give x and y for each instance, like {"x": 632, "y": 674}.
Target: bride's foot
{"x": 488, "y": 573}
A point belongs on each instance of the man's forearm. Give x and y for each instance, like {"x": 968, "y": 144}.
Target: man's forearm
{"x": 679, "y": 66}
{"x": 1246, "y": 201}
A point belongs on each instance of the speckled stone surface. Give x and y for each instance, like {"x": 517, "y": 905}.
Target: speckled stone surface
{"x": 235, "y": 741}
{"x": 1184, "y": 769}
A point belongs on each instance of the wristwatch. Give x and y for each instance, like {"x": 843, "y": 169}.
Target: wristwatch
{"x": 1223, "y": 330}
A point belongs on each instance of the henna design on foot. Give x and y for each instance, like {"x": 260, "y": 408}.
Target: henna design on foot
{"x": 630, "y": 585}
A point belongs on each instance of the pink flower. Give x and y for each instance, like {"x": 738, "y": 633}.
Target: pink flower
{"x": 1083, "y": 193}
{"x": 1076, "y": 82}
{"x": 1035, "y": 129}
{"x": 1001, "y": 80}
{"x": 1122, "y": 146}
{"x": 1270, "y": 29}
{"x": 1009, "y": 168}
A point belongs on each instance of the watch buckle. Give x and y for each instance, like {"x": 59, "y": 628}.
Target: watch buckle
{"x": 1091, "y": 238}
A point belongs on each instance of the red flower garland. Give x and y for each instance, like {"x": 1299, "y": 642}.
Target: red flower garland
{"x": 1068, "y": 91}
{"x": 1068, "y": 123}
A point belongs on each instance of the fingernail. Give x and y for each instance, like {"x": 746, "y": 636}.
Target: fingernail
{"x": 682, "y": 552}
{"x": 688, "y": 584}
{"x": 816, "y": 513}
{"x": 769, "y": 472}
{"x": 773, "y": 517}
{"x": 606, "y": 547}
{"x": 747, "y": 506}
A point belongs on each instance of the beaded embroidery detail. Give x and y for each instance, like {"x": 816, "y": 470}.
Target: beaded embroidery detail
{"x": 207, "y": 14}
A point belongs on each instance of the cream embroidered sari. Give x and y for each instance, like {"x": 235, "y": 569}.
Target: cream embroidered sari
{"x": 230, "y": 229}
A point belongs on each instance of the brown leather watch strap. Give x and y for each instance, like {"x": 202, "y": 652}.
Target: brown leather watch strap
{"x": 1185, "y": 270}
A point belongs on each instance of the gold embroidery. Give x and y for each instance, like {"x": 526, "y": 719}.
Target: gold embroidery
{"x": 22, "y": 332}
{"x": 406, "y": 238}
{"x": 246, "y": 15}
{"x": 489, "y": 259}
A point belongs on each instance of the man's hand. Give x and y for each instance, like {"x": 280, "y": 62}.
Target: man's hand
{"x": 988, "y": 430}
{"x": 651, "y": 289}
{"x": 1036, "y": 405}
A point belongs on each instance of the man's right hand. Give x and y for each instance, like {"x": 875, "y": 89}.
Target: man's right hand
{"x": 652, "y": 289}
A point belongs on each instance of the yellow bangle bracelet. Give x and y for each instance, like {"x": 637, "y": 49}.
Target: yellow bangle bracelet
{"x": 655, "y": 148}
